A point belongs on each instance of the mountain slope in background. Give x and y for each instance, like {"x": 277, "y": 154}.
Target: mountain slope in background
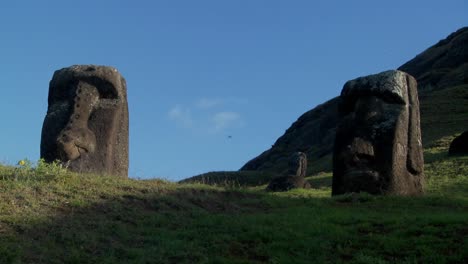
{"x": 442, "y": 74}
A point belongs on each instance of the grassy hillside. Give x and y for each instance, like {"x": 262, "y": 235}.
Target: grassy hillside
{"x": 313, "y": 133}
{"x": 443, "y": 113}
{"x": 48, "y": 215}
{"x": 442, "y": 75}
{"x": 232, "y": 178}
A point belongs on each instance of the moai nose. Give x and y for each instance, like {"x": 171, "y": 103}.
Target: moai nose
{"x": 74, "y": 142}
{"x": 76, "y": 138}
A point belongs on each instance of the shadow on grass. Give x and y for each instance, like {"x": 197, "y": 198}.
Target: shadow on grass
{"x": 232, "y": 178}
{"x": 136, "y": 227}
{"x": 321, "y": 180}
{"x": 196, "y": 224}
{"x": 435, "y": 155}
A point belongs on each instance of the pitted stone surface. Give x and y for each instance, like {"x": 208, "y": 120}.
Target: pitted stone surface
{"x": 389, "y": 83}
{"x": 378, "y": 141}
{"x": 86, "y": 126}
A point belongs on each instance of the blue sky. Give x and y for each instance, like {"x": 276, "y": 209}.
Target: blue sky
{"x": 201, "y": 71}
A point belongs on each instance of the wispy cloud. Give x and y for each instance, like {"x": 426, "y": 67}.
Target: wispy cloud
{"x": 212, "y": 102}
{"x": 206, "y": 115}
{"x": 206, "y": 103}
{"x": 224, "y": 120}
{"x": 181, "y": 115}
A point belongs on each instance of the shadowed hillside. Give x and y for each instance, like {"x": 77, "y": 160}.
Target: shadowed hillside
{"x": 50, "y": 215}
{"x": 442, "y": 74}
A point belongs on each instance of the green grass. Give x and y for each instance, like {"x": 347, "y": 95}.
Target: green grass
{"x": 232, "y": 178}
{"x": 443, "y": 112}
{"x": 49, "y": 215}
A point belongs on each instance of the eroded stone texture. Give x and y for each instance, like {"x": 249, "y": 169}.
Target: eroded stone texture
{"x": 459, "y": 145}
{"x": 296, "y": 175}
{"x": 378, "y": 142}
{"x": 86, "y": 125}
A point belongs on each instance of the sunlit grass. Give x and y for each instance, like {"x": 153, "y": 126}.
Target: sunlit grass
{"x": 50, "y": 215}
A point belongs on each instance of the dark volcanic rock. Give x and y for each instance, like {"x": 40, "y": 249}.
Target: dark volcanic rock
{"x": 313, "y": 133}
{"x": 295, "y": 178}
{"x": 378, "y": 145}
{"x": 459, "y": 145}
{"x": 440, "y": 68}
{"x": 442, "y": 65}
{"x": 442, "y": 75}
{"x": 86, "y": 125}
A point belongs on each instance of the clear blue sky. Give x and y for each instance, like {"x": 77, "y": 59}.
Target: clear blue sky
{"x": 200, "y": 71}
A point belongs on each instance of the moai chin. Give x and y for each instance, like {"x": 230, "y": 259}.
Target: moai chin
{"x": 378, "y": 142}
{"x": 86, "y": 125}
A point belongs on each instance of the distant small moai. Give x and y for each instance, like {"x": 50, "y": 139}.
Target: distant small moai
{"x": 297, "y": 164}
{"x": 297, "y": 169}
{"x": 378, "y": 146}
{"x": 86, "y": 126}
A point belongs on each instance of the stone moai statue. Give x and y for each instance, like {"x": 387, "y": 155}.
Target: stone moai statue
{"x": 378, "y": 141}
{"x": 297, "y": 164}
{"x": 86, "y": 125}
{"x": 296, "y": 175}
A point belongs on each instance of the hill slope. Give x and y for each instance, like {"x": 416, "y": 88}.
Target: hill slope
{"x": 442, "y": 74}
{"x": 48, "y": 215}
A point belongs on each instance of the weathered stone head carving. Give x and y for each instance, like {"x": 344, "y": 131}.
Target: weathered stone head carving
{"x": 378, "y": 142}
{"x": 86, "y": 125}
{"x": 296, "y": 175}
{"x": 298, "y": 164}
